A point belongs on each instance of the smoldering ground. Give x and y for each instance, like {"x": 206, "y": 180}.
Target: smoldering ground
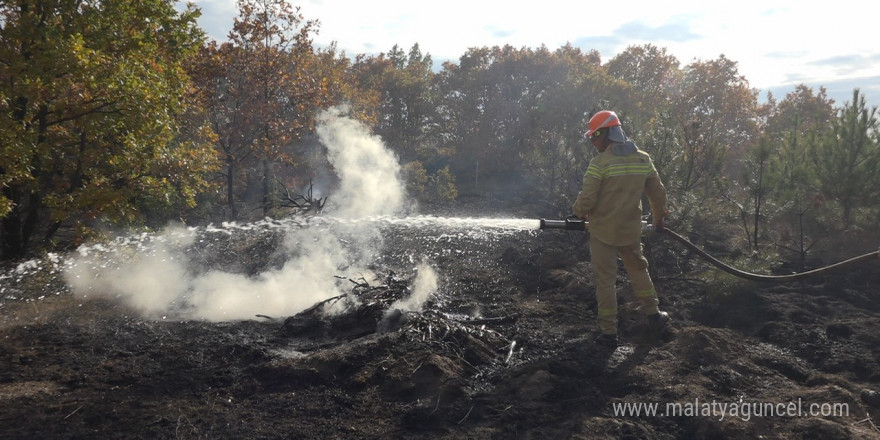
{"x": 161, "y": 275}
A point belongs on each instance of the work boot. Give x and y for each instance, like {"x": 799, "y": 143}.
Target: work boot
{"x": 871, "y": 397}
{"x": 607, "y": 340}
{"x": 658, "y": 321}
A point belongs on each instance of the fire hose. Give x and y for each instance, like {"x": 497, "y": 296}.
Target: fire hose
{"x": 573, "y": 224}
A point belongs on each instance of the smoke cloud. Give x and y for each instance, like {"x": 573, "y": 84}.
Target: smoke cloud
{"x": 369, "y": 174}
{"x": 424, "y": 285}
{"x": 148, "y": 278}
{"x": 153, "y": 274}
{"x": 314, "y": 257}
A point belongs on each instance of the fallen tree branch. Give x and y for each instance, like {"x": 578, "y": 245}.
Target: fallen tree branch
{"x": 480, "y": 321}
{"x": 868, "y": 421}
{"x": 301, "y": 202}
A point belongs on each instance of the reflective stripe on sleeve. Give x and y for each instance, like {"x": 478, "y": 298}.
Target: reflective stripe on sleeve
{"x": 647, "y": 293}
{"x": 607, "y": 312}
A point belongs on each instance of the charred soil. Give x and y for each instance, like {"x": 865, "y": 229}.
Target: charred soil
{"x": 503, "y": 350}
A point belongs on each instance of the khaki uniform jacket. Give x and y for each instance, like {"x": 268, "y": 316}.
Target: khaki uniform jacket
{"x": 611, "y": 196}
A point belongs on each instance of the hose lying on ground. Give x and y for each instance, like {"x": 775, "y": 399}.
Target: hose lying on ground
{"x": 576, "y": 224}
{"x": 767, "y": 278}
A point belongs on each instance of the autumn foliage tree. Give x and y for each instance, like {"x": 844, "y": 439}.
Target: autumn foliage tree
{"x": 260, "y": 92}
{"x": 408, "y": 117}
{"x": 714, "y": 113}
{"x": 89, "y": 95}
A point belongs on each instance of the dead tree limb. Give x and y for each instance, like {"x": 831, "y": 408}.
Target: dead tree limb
{"x": 301, "y": 202}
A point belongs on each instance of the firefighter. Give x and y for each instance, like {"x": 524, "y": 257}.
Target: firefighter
{"x": 610, "y": 200}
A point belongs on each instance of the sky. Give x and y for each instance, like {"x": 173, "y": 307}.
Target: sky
{"x": 776, "y": 44}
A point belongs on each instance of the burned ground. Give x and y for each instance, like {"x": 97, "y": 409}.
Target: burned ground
{"x": 502, "y": 350}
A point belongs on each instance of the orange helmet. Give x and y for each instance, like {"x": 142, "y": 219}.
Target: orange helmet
{"x": 602, "y": 119}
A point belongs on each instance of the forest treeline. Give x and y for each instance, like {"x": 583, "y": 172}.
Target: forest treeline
{"x": 124, "y": 114}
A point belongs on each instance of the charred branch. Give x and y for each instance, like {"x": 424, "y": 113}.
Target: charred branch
{"x": 304, "y": 203}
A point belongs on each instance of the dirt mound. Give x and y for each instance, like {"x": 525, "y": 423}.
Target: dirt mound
{"x": 501, "y": 350}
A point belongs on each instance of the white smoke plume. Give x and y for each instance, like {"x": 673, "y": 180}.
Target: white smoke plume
{"x": 149, "y": 280}
{"x": 369, "y": 173}
{"x": 306, "y": 278}
{"x": 156, "y": 281}
{"x": 424, "y": 285}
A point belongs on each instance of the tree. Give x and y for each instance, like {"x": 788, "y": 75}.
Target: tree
{"x": 650, "y": 71}
{"x": 407, "y": 105}
{"x": 798, "y": 114}
{"x": 847, "y": 159}
{"x": 715, "y": 114}
{"x": 89, "y": 96}
{"x": 513, "y": 115}
{"x": 566, "y": 86}
{"x": 260, "y": 92}
{"x": 754, "y": 188}
{"x": 794, "y": 127}
{"x": 342, "y": 82}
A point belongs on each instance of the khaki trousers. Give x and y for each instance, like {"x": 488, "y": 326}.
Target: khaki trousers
{"x": 604, "y": 261}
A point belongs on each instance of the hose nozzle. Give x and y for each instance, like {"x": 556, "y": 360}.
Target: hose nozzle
{"x": 569, "y": 224}
{"x": 577, "y": 224}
